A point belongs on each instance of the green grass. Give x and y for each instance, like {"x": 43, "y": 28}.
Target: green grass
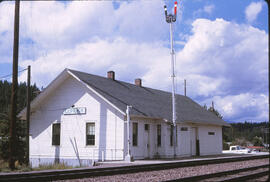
{"x": 52, "y": 166}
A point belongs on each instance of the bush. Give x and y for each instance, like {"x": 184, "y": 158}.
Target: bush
{"x": 225, "y": 146}
{"x": 257, "y": 141}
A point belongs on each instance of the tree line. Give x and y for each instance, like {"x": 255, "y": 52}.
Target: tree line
{"x": 246, "y": 134}
{"x": 5, "y": 96}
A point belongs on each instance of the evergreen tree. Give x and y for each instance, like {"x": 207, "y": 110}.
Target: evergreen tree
{"x": 5, "y": 95}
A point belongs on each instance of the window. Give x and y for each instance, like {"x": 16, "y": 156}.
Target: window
{"x": 90, "y": 133}
{"x": 211, "y": 133}
{"x": 146, "y": 127}
{"x": 184, "y": 129}
{"x": 158, "y": 135}
{"x": 56, "y": 134}
{"x": 135, "y": 134}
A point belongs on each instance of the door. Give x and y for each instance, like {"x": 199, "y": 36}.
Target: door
{"x": 146, "y": 140}
{"x": 193, "y": 141}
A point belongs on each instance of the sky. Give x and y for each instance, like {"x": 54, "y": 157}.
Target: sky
{"x": 221, "y": 47}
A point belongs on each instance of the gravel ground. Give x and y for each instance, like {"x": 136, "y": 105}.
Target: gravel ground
{"x": 236, "y": 175}
{"x": 264, "y": 178}
{"x": 171, "y": 174}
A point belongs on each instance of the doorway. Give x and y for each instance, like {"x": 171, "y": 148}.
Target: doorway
{"x": 194, "y": 142}
{"x": 147, "y": 140}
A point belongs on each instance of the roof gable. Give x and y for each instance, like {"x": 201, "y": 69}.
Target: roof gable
{"x": 44, "y": 94}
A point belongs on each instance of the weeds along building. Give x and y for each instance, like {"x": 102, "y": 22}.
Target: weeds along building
{"x": 82, "y": 117}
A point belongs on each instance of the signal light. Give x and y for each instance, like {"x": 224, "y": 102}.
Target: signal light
{"x": 165, "y": 9}
{"x": 175, "y": 8}
{"x": 171, "y": 17}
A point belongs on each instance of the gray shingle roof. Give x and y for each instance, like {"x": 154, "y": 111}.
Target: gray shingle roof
{"x": 148, "y": 102}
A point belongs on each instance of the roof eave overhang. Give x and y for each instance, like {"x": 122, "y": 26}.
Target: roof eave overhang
{"x": 134, "y": 117}
{"x": 208, "y": 123}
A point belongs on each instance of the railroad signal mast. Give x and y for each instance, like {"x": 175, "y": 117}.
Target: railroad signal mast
{"x": 170, "y": 19}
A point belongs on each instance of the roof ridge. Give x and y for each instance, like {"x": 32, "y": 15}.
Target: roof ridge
{"x": 103, "y": 77}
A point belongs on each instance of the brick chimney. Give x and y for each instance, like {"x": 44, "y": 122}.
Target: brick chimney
{"x": 110, "y": 75}
{"x": 138, "y": 82}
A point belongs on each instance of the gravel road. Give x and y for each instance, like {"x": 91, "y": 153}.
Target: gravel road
{"x": 171, "y": 174}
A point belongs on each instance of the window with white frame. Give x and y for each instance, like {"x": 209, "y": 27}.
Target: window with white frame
{"x": 90, "y": 133}
{"x": 56, "y": 134}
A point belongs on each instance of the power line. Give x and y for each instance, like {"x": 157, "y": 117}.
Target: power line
{"x": 9, "y": 75}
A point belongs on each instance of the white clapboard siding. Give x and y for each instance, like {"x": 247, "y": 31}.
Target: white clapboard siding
{"x": 109, "y": 126}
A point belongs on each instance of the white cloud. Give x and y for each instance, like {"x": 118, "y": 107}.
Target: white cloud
{"x": 129, "y": 60}
{"x": 230, "y": 57}
{"x": 6, "y": 31}
{"x": 76, "y": 22}
{"x": 252, "y": 11}
{"x": 245, "y": 106}
{"x": 209, "y": 8}
{"x": 64, "y": 25}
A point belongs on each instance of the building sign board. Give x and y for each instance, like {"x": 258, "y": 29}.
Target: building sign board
{"x": 75, "y": 111}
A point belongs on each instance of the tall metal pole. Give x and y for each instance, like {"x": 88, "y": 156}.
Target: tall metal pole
{"x": 12, "y": 127}
{"x": 28, "y": 112}
{"x": 170, "y": 19}
{"x": 173, "y": 92}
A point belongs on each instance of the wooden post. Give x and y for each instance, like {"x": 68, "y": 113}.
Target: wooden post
{"x": 13, "y": 110}
{"x": 28, "y": 112}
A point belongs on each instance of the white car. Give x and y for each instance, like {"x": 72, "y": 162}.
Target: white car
{"x": 237, "y": 150}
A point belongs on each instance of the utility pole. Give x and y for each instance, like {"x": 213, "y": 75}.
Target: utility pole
{"x": 170, "y": 19}
{"x": 28, "y": 112}
{"x": 185, "y": 86}
{"x": 13, "y": 111}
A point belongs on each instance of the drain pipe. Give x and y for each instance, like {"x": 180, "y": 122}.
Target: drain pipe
{"x": 128, "y": 157}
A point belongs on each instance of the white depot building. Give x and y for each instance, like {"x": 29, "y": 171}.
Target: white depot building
{"x": 80, "y": 118}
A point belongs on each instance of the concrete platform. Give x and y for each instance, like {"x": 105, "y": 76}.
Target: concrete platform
{"x": 182, "y": 159}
